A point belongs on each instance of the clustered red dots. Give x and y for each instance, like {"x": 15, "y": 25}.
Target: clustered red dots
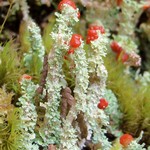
{"x": 103, "y": 103}
{"x": 121, "y": 54}
{"x": 92, "y": 33}
{"x": 75, "y": 41}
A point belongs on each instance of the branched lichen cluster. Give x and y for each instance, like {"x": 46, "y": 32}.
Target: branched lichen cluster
{"x": 81, "y": 81}
{"x": 55, "y": 78}
{"x": 80, "y": 90}
{"x": 96, "y": 90}
{"x": 62, "y": 112}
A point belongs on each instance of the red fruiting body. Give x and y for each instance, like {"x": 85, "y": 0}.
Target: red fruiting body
{"x": 77, "y": 36}
{"x": 126, "y": 139}
{"x": 123, "y": 56}
{"x": 91, "y": 36}
{"x": 116, "y": 47}
{"x": 25, "y": 77}
{"x": 92, "y": 33}
{"x": 95, "y": 27}
{"x": 78, "y": 15}
{"x": 119, "y": 2}
{"x": 65, "y": 57}
{"x": 146, "y": 6}
{"x": 75, "y": 41}
{"x": 71, "y": 51}
{"x": 68, "y": 2}
{"x": 88, "y": 40}
{"x": 102, "y": 103}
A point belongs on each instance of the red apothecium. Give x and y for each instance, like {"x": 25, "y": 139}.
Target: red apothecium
{"x": 123, "y": 56}
{"x": 116, "y": 47}
{"x": 119, "y": 2}
{"x": 75, "y": 41}
{"x": 103, "y": 103}
{"x": 25, "y": 77}
{"x": 126, "y": 139}
{"x": 92, "y": 33}
{"x": 71, "y": 51}
{"x": 96, "y": 27}
{"x": 68, "y": 2}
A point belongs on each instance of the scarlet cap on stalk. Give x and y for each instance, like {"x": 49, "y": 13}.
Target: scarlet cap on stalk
{"x": 78, "y": 14}
{"x": 68, "y": 2}
{"x": 103, "y": 103}
{"x": 92, "y": 33}
{"x": 123, "y": 56}
{"x": 146, "y": 6}
{"x": 71, "y": 51}
{"x": 75, "y": 41}
{"x": 96, "y": 27}
{"x": 126, "y": 139}
{"x": 119, "y": 2}
{"x": 116, "y": 47}
{"x": 25, "y": 77}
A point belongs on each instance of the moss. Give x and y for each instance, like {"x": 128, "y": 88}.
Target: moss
{"x": 9, "y": 66}
{"x": 47, "y": 30}
{"x": 128, "y": 96}
{"x": 132, "y": 97}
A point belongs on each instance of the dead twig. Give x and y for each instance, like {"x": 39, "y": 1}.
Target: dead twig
{"x": 66, "y": 102}
{"x": 82, "y": 125}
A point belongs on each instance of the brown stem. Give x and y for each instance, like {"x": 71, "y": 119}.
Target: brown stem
{"x": 43, "y": 76}
{"x": 82, "y": 125}
{"x": 41, "y": 110}
{"x": 66, "y": 102}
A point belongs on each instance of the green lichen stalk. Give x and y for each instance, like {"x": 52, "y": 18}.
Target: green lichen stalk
{"x": 95, "y": 117}
{"x": 55, "y": 78}
{"x": 28, "y": 115}
{"x": 81, "y": 81}
{"x": 131, "y": 10}
{"x": 33, "y": 60}
{"x": 80, "y": 91}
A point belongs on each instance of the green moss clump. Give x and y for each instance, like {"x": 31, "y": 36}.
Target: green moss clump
{"x": 9, "y": 66}
{"x": 133, "y": 97}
